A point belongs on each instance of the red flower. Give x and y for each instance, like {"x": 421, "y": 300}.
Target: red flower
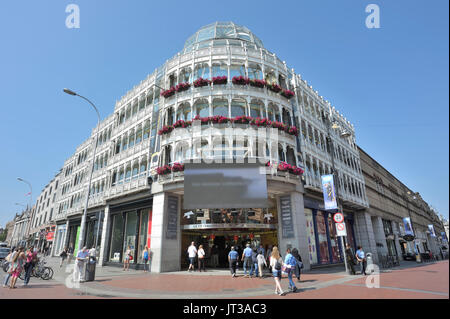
{"x": 258, "y": 83}
{"x": 240, "y": 80}
{"x": 201, "y": 82}
{"x": 220, "y": 80}
{"x": 168, "y": 93}
{"x": 274, "y": 87}
{"x": 177, "y": 167}
{"x": 163, "y": 170}
{"x": 287, "y": 93}
{"x": 182, "y": 87}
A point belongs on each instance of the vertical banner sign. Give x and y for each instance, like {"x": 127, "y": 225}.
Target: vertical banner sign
{"x": 408, "y": 226}
{"x": 286, "y": 217}
{"x": 172, "y": 217}
{"x": 329, "y": 194}
{"x": 431, "y": 229}
{"x": 444, "y": 237}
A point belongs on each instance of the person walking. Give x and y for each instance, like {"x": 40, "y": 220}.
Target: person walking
{"x": 145, "y": 258}
{"x": 350, "y": 259}
{"x": 361, "y": 257}
{"x": 290, "y": 262}
{"x": 126, "y": 259}
{"x": 214, "y": 256}
{"x": 80, "y": 261}
{"x": 9, "y": 259}
{"x": 63, "y": 256}
{"x": 201, "y": 258}
{"x": 261, "y": 250}
{"x": 31, "y": 260}
{"x": 233, "y": 260}
{"x": 254, "y": 265}
{"x": 17, "y": 264}
{"x": 276, "y": 262}
{"x": 261, "y": 261}
{"x": 192, "y": 253}
{"x": 268, "y": 255}
{"x": 69, "y": 254}
{"x": 247, "y": 258}
{"x": 299, "y": 265}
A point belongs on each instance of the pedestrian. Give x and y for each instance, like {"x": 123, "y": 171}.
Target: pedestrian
{"x": 127, "y": 258}
{"x": 276, "y": 263}
{"x": 361, "y": 257}
{"x": 201, "y": 258}
{"x": 350, "y": 259}
{"x": 69, "y": 254}
{"x": 214, "y": 256}
{"x": 261, "y": 250}
{"x": 261, "y": 260}
{"x": 145, "y": 258}
{"x": 17, "y": 264}
{"x": 233, "y": 260}
{"x": 254, "y": 265}
{"x": 247, "y": 258}
{"x": 268, "y": 255}
{"x": 9, "y": 259}
{"x": 192, "y": 253}
{"x": 299, "y": 265}
{"x": 290, "y": 262}
{"x": 63, "y": 256}
{"x": 31, "y": 259}
{"x": 80, "y": 262}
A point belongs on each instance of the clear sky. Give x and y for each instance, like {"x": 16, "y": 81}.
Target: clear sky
{"x": 391, "y": 83}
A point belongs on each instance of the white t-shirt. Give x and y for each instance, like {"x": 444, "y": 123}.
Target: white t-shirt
{"x": 192, "y": 251}
{"x": 201, "y": 253}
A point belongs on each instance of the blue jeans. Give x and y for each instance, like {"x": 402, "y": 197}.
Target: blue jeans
{"x": 28, "y": 274}
{"x": 291, "y": 282}
{"x": 5, "y": 282}
{"x": 247, "y": 263}
{"x": 254, "y": 268}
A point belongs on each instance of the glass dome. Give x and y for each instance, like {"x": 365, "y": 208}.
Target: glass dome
{"x": 223, "y": 30}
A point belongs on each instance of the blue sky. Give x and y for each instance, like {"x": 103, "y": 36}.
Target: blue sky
{"x": 391, "y": 83}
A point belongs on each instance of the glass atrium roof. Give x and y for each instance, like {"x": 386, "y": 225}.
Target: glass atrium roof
{"x": 223, "y": 30}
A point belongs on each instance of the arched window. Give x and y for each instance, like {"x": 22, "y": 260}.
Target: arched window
{"x": 290, "y": 156}
{"x": 220, "y": 107}
{"x": 143, "y": 168}
{"x": 167, "y": 155}
{"x": 146, "y": 131}
{"x": 237, "y": 70}
{"x": 149, "y": 99}
{"x": 170, "y": 115}
{"x": 131, "y": 139}
{"x": 286, "y": 117}
{"x": 281, "y": 156}
{"x": 185, "y": 75}
{"x": 184, "y": 112}
{"x": 219, "y": 69}
{"x": 271, "y": 112}
{"x": 135, "y": 172}
{"x": 201, "y": 108}
{"x": 254, "y": 72}
{"x": 138, "y": 134}
{"x": 172, "y": 80}
{"x": 282, "y": 81}
{"x": 201, "y": 71}
{"x": 257, "y": 109}
{"x": 238, "y": 107}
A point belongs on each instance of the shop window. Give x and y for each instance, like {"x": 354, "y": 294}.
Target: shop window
{"x": 311, "y": 237}
{"x": 116, "y": 245}
{"x": 322, "y": 237}
{"x": 334, "y": 240}
{"x": 130, "y": 234}
{"x": 143, "y": 231}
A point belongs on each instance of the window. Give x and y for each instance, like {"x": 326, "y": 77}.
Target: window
{"x": 184, "y": 112}
{"x": 257, "y": 109}
{"x": 201, "y": 108}
{"x": 237, "y": 70}
{"x": 219, "y": 69}
{"x": 220, "y": 107}
{"x": 149, "y": 99}
{"x": 254, "y": 72}
{"x": 146, "y": 130}
{"x": 270, "y": 76}
{"x": 138, "y": 135}
{"x": 201, "y": 71}
{"x": 143, "y": 168}
{"x": 185, "y": 75}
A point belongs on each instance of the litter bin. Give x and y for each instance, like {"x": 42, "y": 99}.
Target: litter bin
{"x": 369, "y": 262}
{"x": 89, "y": 272}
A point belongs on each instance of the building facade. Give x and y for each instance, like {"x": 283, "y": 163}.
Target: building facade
{"x": 390, "y": 201}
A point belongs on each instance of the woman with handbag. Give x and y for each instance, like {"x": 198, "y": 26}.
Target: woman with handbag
{"x": 127, "y": 258}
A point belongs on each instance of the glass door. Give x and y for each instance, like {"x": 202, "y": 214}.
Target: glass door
{"x": 116, "y": 238}
{"x": 130, "y": 234}
{"x": 143, "y": 231}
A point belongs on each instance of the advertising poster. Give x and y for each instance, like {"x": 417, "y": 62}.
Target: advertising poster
{"x": 431, "y": 229}
{"x": 408, "y": 226}
{"x": 329, "y": 194}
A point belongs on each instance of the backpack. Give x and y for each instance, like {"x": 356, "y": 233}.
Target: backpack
{"x": 146, "y": 255}
{"x": 278, "y": 265}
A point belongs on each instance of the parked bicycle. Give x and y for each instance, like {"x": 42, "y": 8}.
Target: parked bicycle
{"x": 39, "y": 271}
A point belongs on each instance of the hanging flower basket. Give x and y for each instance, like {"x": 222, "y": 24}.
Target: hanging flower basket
{"x": 182, "y": 87}
{"x": 201, "y": 82}
{"x": 165, "y": 130}
{"x": 240, "y": 80}
{"x": 287, "y": 93}
{"x": 274, "y": 87}
{"x": 258, "y": 83}
{"x": 220, "y": 80}
{"x": 177, "y": 167}
{"x": 168, "y": 93}
{"x": 163, "y": 170}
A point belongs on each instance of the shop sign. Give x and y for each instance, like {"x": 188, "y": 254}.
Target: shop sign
{"x": 229, "y": 226}
{"x": 50, "y": 236}
{"x": 329, "y": 194}
{"x": 287, "y": 225}
{"x": 172, "y": 217}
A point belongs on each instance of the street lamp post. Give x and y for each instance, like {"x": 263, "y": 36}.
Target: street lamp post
{"x": 83, "y": 219}
{"x": 30, "y": 220}
{"x": 336, "y": 179}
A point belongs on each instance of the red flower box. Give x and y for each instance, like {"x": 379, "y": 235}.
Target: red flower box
{"x": 204, "y": 120}
{"x": 165, "y": 130}
{"x": 163, "y": 170}
{"x": 287, "y": 93}
{"x": 168, "y": 93}
{"x": 258, "y": 83}
{"x": 274, "y": 87}
{"x": 240, "y": 80}
{"x": 182, "y": 87}
{"x": 177, "y": 167}
{"x": 220, "y": 80}
{"x": 242, "y": 119}
{"x": 201, "y": 82}
{"x": 218, "y": 119}
{"x": 182, "y": 123}
{"x": 292, "y": 130}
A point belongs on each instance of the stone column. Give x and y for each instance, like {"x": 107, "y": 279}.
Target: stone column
{"x": 300, "y": 239}
{"x": 165, "y": 251}
{"x": 397, "y": 234}
{"x": 105, "y": 237}
{"x": 364, "y": 234}
{"x": 380, "y": 237}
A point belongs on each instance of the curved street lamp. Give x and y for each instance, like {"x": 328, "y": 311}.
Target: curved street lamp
{"x": 83, "y": 220}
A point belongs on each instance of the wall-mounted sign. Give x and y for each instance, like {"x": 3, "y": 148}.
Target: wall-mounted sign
{"x": 172, "y": 217}
{"x": 329, "y": 194}
{"x": 408, "y": 226}
{"x": 287, "y": 225}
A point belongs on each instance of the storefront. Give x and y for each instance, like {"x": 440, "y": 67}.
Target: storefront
{"x": 390, "y": 238}
{"x": 130, "y": 228}
{"x": 323, "y": 243}
{"x": 59, "y": 239}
